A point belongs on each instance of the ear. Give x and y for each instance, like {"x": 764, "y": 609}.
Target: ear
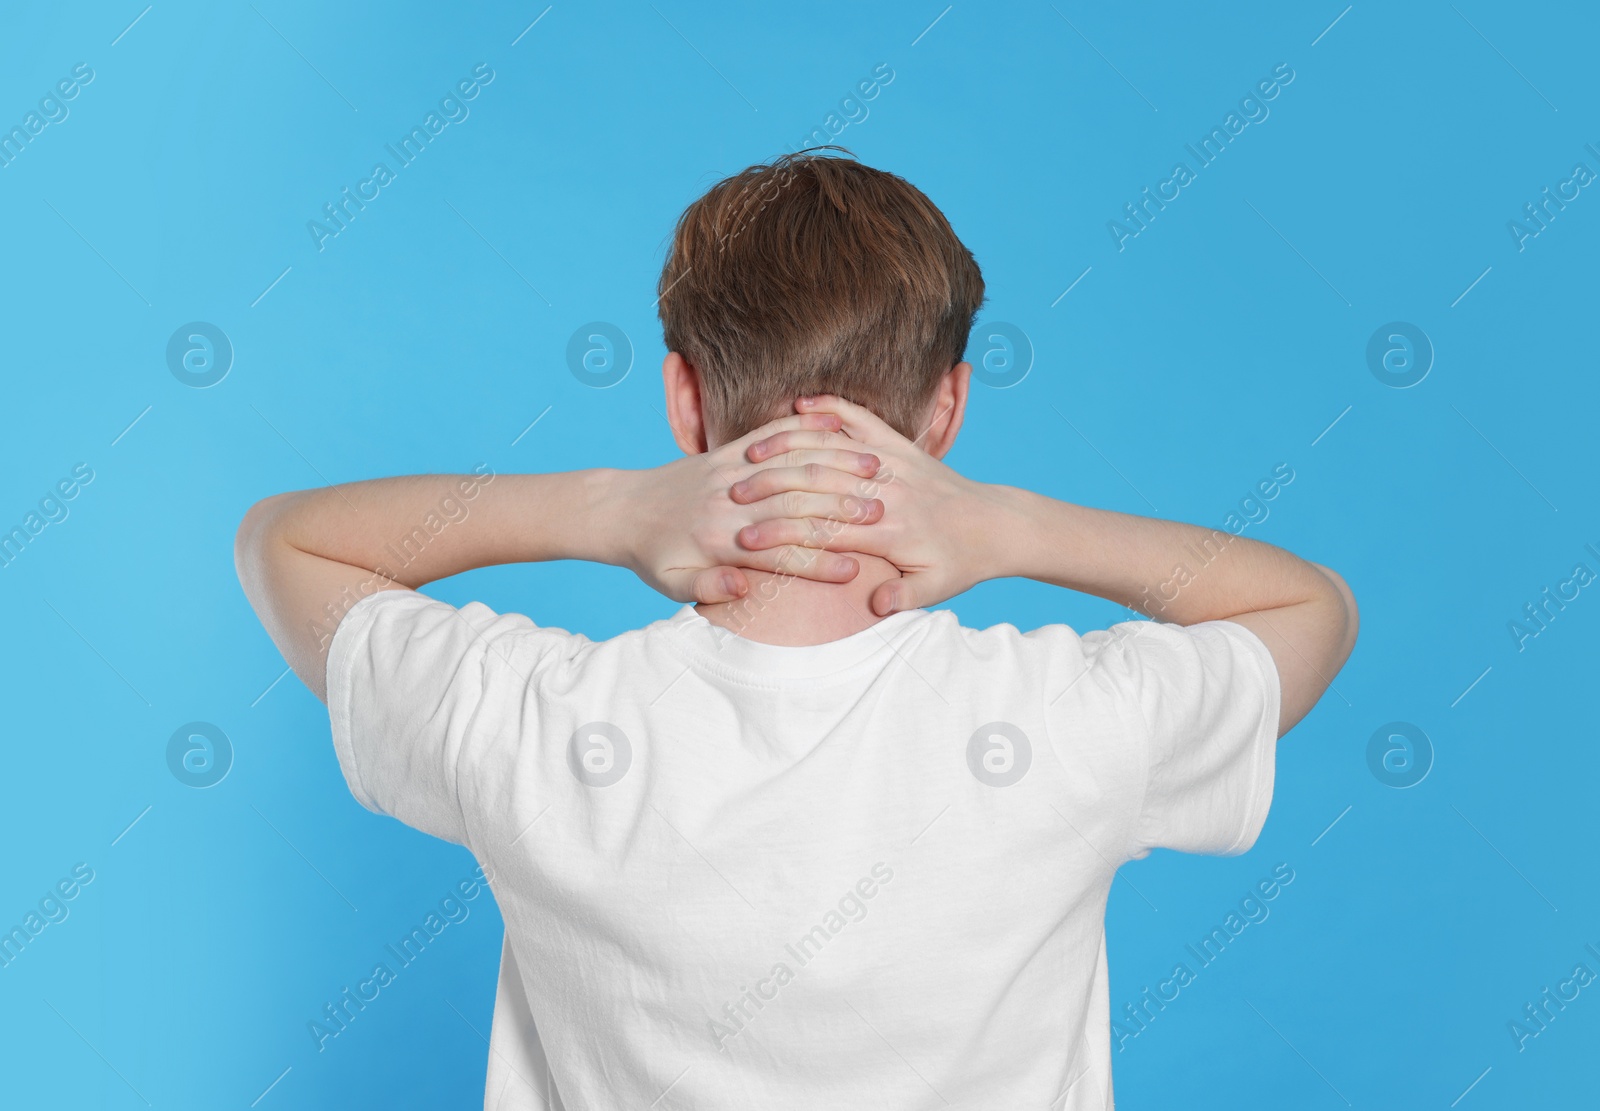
{"x": 684, "y": 412}
{"x": 948, "y": 410}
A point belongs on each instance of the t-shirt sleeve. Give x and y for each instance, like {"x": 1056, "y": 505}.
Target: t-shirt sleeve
{"x": 406, "y": 682}
{"x": 1206, "y": 713}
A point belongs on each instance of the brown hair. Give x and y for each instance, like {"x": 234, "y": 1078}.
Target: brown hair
{"x": 817, "y": 274}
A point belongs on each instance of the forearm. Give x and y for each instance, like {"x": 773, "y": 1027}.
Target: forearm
{"x": 306, "y": 558}
{"x": 1165, "y": 569}
{"x": 1302, "y": 612}
{"x": 415, "y": 529}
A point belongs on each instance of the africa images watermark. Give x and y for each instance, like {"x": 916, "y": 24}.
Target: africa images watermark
{"x": 1253, "y": 910}
{"x": 450, "y": 510}
{"x": 1253, "y": 108}
{"x": 851, "y": 907}
{"x": 1536, "y": 217}
{"x": 339, "y": 214}
{"x": 52, "y": 110}
{"x": 1253, "y": 509}
{"x": 452, "y": 911}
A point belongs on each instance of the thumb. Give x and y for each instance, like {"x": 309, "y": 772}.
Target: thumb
{"x": 896, "y": 594}
{"x": 712, "y": 584}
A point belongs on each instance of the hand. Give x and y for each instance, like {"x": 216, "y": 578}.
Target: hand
{"x": 936, "y": 525}
{"x": 683, "y": 525}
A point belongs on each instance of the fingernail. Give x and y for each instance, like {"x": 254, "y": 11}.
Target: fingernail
{"x": 730, "y": 585}
{"x": 739, "y": 489}
{"x": 870, "y": 461}
{"x": 893, "y": 603}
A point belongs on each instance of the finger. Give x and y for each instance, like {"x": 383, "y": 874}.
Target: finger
{"x": 709, "y": 584}
{"x": 895, "y": 595}
{"x": 860, "y": 422}
{"x": 831, "y": 508}
{"x": 804, "y": 563}
{"x": 809, "y": 422}
{"x": 818, "y": 477}
{"x": 916, "y": 589}
{"x": 782, "y": 442}
{"x": 804, "y": 532}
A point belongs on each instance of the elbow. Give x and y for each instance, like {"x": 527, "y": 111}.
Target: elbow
{"x": 1347, "y": 603}
{"x": 253, "y": 533}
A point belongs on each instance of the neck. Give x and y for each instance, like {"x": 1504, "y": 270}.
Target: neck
{"x": 794, "y": 611}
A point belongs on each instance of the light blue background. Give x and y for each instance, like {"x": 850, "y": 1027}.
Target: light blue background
{"x": 433, "y": 330}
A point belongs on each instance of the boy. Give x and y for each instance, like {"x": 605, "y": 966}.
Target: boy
{"x": 807, "y": 843}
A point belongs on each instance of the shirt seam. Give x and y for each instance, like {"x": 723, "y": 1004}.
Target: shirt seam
{"x": 1144, "y": 760}
{"x": 355, "y": 624}
{"x": 707, "y": 661}
{"x": 1268, "y": 720}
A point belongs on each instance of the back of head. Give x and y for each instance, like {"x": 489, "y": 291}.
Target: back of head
{"x": 817, "y": 274}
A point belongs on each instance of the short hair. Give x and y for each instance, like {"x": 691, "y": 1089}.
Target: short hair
{"x": 817, "y": 274}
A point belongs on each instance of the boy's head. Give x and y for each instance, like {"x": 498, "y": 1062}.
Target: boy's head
{"x": 816, "y": 274}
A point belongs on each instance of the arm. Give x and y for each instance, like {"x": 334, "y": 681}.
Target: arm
{"x": 1303, "y": 612}
{"x": 306, "y": 558}
{"x": 947, "y": 533}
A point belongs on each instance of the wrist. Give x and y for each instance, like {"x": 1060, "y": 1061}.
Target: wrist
{"x": 997, "y": 532}
{"x": 611, "y": 522}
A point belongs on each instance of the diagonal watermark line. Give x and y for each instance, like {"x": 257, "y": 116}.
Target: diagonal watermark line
{"x": 531, "y": 26}
{"x": 1503, "y": 857}
{"x": 903, "y": 658}
{"x": 271, "y": 1086}
{"x": 1115, "y": 871}
{"x": 97, "y": 652}
{"x": 707, "y": 863}
{"x": 1303, "y": 258}
{"x": 97, "y": 1053}
{"x": 130, "y": 26}
{"x": 703, "y": 58}
{"x": 271, "y": 287}
{"x": 1471, "y": 1086}
{"x": 133, "y": 422}
{"x": 1329, "y": 429}
{"x": 302, "y": 856}
{"x": 529, "y": 826}
{"x": 1071, "y": 287}
{"x": 98, "y": 255}
{"x": 1119, "y": 639}
{"x": 525, "y": 1082}
{"x": 131, "y": 824}
{"x": 671, "y": 1086}
{"x": 1504, "y": 59}
{"x": 531, "y": 423}
{"x": 274, "y": 683}
{"x": 1103, "y": 58}
{"x": 304, "y": 59}
{"x": 1331, "y": 26}
{"x": 1502, "y": 455}
{"x": 929, "y": 826}
{"x": 1327, "y": 681}
{"x": 498, "y": 255}
{"x": 1470, "y": 685}
{"x": 1471, "y": 287}
{"x": 1108, "y": 462}
{"x": 930, "y": 26}
{"x": 306, "y": 461}
{"x": 1333, "y": 823}
{"x": 1297, "y": 1052}
{"x": 896, "y": 1052}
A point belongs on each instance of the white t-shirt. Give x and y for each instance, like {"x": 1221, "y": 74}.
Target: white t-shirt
{"x": 867, "y": 873}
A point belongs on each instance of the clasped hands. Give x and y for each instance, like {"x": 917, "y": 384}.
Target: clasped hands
{"x": 797, "y": 496}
